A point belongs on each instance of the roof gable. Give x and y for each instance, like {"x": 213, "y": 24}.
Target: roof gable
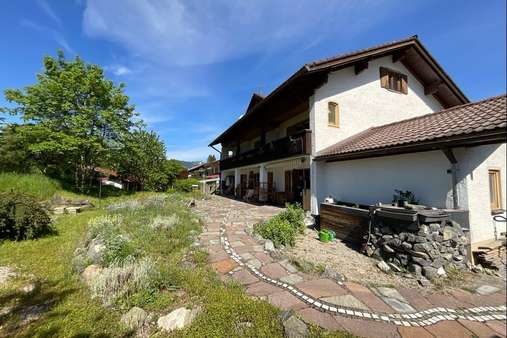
{"x": 254, "y": 100}
{"x": 410, "y": 52}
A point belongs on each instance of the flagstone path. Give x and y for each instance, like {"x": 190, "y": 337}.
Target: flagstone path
{"x": 337, "y": 305}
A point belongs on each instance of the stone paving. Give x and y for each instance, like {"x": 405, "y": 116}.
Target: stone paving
{"x": 334, "y": 305}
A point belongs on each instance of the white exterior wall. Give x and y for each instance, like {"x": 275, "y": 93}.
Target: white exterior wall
{"x": 363, "y": 103}
{"x": 372, "y": 180}
{"x": 474, "y": 163}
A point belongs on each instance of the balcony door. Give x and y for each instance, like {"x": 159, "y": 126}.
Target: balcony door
{"x": 243, "y": 182}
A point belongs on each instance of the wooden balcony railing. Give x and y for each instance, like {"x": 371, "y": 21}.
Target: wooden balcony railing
{"x": 297, "y": 144}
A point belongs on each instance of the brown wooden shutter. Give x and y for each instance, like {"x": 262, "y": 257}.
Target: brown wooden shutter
{"x": 384, "y": 78}
{"x": 404, "y": 84}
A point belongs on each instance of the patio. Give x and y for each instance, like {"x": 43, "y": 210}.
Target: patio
{"x": 333, "y": 303}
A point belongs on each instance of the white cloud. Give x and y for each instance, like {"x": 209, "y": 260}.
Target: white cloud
{"x": 53, "y": 34}
{"x": 122, "y": 70}
{"x": 118, "y": 70}
{"x": 189, "y": 32}
{"x": 191, "y": 154}
{"x": 49, "y": 12}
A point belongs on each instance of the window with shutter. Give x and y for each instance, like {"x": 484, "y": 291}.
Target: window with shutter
{"x": 394, "y": 81}
{"x": 333, "y": 116}
{"x": 495, "y": 189}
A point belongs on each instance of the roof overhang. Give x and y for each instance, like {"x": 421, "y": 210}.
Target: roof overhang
{"x": 493, "y": 136}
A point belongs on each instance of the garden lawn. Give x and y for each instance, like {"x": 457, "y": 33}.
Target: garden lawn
{"x": 47, "y": 262}
{"x": 64, "y": 305}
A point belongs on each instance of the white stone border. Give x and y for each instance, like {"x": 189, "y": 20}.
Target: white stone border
{"x": 421, "y": 318}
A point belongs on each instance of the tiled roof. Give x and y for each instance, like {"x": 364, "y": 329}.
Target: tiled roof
{"x": 467, "y": 119}
{"x": 338, "y": 57}
{"x": 327, "y": 65}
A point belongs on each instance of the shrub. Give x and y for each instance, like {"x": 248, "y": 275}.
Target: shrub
{"x": 164, "y": 222}
{"x": 295, "y": 215}
{"x": 407, "y": 196}
{"x": 22, "y": 217}
{"x": 103, "y": 224}
{"x": 136, "y": 204}
{"x": 129, "y": 204}
{"x": 118, "y": 247}
{"x": 283, "y": 228}
{"x": 120, "y": 282}
{"x": 185, "y": 185}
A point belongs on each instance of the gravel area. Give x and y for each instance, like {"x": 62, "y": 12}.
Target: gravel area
{"x": 346, "y": 260}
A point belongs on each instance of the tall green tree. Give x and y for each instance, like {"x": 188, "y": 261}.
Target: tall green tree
{"x": 144, "y": 158}
{"x": 211, "y": 158}
{"x": 73, "y": 116}
{"x": 14, "y": 153}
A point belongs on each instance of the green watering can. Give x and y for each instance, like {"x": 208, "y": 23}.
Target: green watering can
{"x": 327, "y": 235}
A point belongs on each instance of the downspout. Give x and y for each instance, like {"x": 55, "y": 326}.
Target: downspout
{"x": 454, "y": 175}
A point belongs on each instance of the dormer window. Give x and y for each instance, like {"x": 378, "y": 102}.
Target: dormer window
{"x": 333, "y": 114}
{"x": 394, "y": 81}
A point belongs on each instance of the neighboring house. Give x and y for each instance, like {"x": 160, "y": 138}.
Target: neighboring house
{"x": 208, "y": 175}
{"x": 205, "y": 170}
{"x": 360, "y": 125}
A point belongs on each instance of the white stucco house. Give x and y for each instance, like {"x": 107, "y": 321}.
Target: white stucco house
{"x": 359, "y": 125}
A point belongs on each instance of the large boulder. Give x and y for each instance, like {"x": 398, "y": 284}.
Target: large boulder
{"x": 293, "y": 327}
{"x": 96, "y": 250}
{"x": 383, "y": 266}
{"x": 177, "y": 319}
{"x": 134, "y": 318}
{"x": 269, "y": 246}
{"x": 6, "y": 273}
{"x": 429, "y": 272}
{"x": 90, "y": 273}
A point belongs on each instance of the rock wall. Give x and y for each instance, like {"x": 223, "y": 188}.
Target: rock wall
{"x": 422, "y": 249}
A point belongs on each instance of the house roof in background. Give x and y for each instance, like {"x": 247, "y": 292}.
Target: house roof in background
{"x": 469, "y": 124}
{"x": 204, "y": 165}
{"x": 410, "y": 51}
{"x": 256, "y": 98}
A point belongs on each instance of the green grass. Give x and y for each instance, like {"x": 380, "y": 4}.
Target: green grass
{"x": 37, "y": 185}
{"x": 47, "y": 261}
{"x": 307, "y": 266}
{"x": 185, "y": 279}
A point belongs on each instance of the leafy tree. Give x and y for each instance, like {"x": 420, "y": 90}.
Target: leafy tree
{"x": 211, "y": 158}
{"x": 73, "y": 117}
{"x": 14, "y": 153}
{"x": 172, "y": 169}
{"x": 144, "y": 158}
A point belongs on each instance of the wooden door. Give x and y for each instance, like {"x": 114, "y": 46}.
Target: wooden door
{"x": 242, "y": 185}
{"x": 297, "y": 185}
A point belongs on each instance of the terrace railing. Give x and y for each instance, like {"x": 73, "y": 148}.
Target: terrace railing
{"x": 297, "y": 144}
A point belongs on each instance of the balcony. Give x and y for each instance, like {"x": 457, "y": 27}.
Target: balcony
{"x": 297, "y": 144}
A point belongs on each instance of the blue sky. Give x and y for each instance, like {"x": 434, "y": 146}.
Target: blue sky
{"x": 190, "y": 66}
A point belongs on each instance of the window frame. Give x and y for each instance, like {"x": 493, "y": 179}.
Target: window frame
{"x": 385, "y": 80}
{"x": 496, "y": 205}
{"x": 336, "y": 107}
